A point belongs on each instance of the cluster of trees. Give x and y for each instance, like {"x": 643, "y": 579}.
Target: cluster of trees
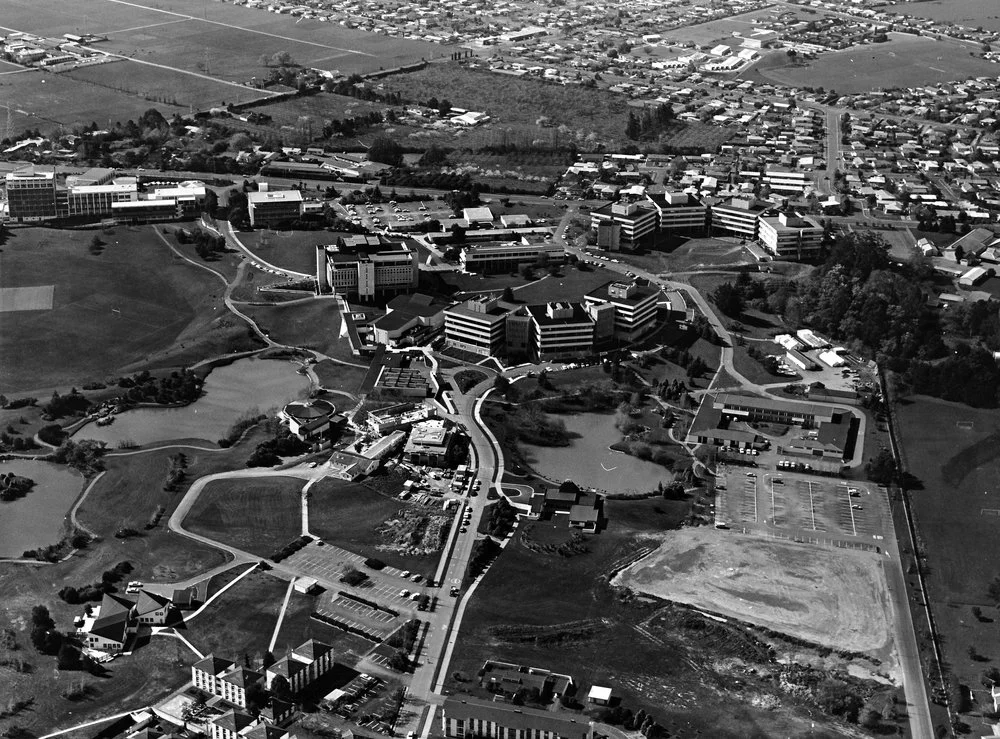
{"x": 177, "y": 387}
{"x": 207, "y": 244}
{"x": 96, "y": 591}
{"x": 638, "y": 721}
{"x": 283, "y": 444}
{"x": 85, "y": 455}
{"x": 386, "y": 151}
{"x": 277, "y": 59}
{"x": 66, "y": 405}
{"x": 484, "y": 551}
{"x": 733, "y": 298}
{"x": 970, "y": 375}
{"x": 14, "y": 486}
{"x": 12, "y": 441}
{"x": 349, "y": 127}
{"x": 501, "y": 517}
{"x": 176, "y": 472}
{"x": 650, "y": 123}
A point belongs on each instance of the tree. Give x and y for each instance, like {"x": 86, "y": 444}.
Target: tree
{"x": 508, "y": 295}
{"x": 69, "y": 657}
{"x": 398, "y": 661}
{"x": 386, "y": 151}
{"x": 281, "y": 690}
{"x": 882, "y": 468}
{"x": 728, "y": 298}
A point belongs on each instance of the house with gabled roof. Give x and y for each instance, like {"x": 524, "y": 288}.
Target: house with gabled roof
{"x": 206, "y": 672}
{"x": 110, "y": 626}
{"x": 152, "y": 609}
{"x": 232, "y": 687}
{"x": 232, "y": 724}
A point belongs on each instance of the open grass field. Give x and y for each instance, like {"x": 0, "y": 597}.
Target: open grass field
{"x": 320, "y": 107}
{"x": 241, "y": 620}
{"x": 954, "y": 451}
{"x": 773, "y": 584}
{"x": 162, "y": 86}
{"x": 258, "y": 516}
{"x": 134, "y": 302}
{"x": 348, "y": 514}
{"x": 516, "y": 104}
{"x": 673, "y": 674}
{"x": 971, "y": 13}
{"x": 903, "y": 61}
{"x": 335, "y": 376}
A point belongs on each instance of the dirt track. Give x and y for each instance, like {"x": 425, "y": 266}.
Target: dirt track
{"x": 831, "y": 597}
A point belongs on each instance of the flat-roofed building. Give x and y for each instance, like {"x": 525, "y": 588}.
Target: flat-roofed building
{"x": 624, "y": 223}
{"x": 96, "y": 200}
{"x": 31, "y": 195}
{"x": 680, "y": 212}
{"x": 477, "y": 325}
{"x": 144, "y": 211}
{"x": 791, "y": 236}
{"x": 272, "y": 207}
{"x": 367, "y": 266}
{"x": 737, "y": 216}
{"x": 634, "y": 306}
{"x": 430, "y": 443}
{"x": 562, "y": 331}
{"x": 507, "y": 255}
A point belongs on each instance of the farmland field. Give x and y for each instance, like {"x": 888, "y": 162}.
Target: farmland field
{"x": 158, "y": 85}
{"x": 962, "y": 12}
{"x": 903, "y": 61}
{"x": 954, "y": 451}
{"x": 177, "y": 32}
{"x": 256, "y": 515}
{"x": 112, "y": 308}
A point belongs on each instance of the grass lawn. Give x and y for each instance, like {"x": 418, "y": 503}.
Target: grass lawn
{"x": 691, "y": 254}
{"x": 153, "y": 670}
{"x": 295, "y": 250}
{"x": 954, "y": 451}
{"x": 136, "y": 302}
{"x": 242, "y": 620}
{"x": 347, "y": 514}
{"x": 297, "y": 627}
{"x": 753, "y": 370}
{"x": 335, "y": 376}
{"x": 313, "y": 324}
{"x": 258, "y": 516}
{"x": 528, "y": 588}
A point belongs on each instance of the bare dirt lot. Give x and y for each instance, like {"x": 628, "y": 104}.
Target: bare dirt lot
{"x": 833, "y": 598}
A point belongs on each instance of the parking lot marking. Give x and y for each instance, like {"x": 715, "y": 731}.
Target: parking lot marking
{"x": 850, "y": 507}
{"x": 812, "y": 507}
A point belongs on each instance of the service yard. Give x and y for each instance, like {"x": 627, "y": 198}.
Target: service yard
{"x": 837, "y": 599}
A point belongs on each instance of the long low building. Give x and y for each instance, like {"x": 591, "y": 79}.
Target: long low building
{"x": 465, "y": 717}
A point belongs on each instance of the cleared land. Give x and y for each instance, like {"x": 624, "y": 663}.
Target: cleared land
{"x": 833, "y": 598}
{"x": 295, "y": 250}
{"x": 903, "y": 61}
{"x": 134, "y": 302}
{"x": 258, "y": 516}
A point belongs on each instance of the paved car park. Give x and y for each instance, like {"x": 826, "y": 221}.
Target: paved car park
{"x": 806, "y": 506}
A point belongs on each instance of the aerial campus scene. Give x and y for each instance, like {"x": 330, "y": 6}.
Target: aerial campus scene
{"x": 509, "y": 370}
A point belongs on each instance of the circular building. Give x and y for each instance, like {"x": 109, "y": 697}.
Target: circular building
{"x": 308, "y": 419}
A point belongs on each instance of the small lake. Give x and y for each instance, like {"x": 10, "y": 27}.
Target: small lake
{"x": 36, "y": 520}
{"x": 229, "y": 392}
{"x": 590, "y": 463}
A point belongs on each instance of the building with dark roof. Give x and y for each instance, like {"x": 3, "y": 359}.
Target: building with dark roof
{"x": 232, "y": 724}
{"x": 302, "y": 666}
{"x": 464, "y": 717}
{"x": 416, "y": 316}
{"x": 308, "y": 420}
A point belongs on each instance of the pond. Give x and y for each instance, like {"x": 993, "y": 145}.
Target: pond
{"x": 229, "y": 392}
{"x": 590, "y": 463}
{"x": 36, "y": 520}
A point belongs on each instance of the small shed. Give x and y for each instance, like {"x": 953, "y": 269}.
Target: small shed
{"x": 599, "y": 696}
{"x": 306, "y": 585}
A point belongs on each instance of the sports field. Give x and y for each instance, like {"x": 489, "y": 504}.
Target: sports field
{"x": 26, "y": 298}
{"x": 971, "y": 13}
{"x": 903, "y": 61}
{"x": 107, "y": 310}
{"x": 829, "y": 597}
